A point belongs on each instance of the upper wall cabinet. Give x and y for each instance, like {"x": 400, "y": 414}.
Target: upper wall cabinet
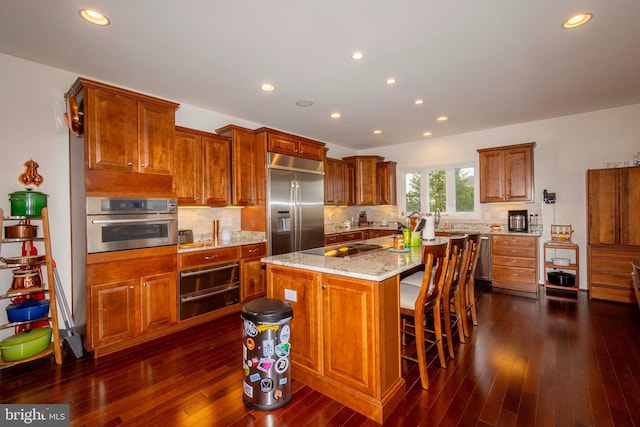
{"x": 202, "y": 164}
{"x": 386, "y": 172}
{"x": 284, "y": 143}
{"x": 126, "y": 135}
{"x": 366, "y": 178}
{"x": 334, "y": 183}
{"x": 506, "y": 173}
{"x": 247, "y": 165}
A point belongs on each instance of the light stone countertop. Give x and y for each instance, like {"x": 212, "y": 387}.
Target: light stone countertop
{"x": 375, "y": 266}
{"x": 238, "y": 239}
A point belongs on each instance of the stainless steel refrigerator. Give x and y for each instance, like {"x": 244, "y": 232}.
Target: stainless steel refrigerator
{"x": 295, "y": 201}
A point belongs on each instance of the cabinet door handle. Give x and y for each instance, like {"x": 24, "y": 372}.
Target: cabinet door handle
{"x": 131, "y": 287}
{"x": 324, "y": 286}
{"x": 143, "y": 165}
{"x": 129, "y": 164}
{"x": 144, "y": 284}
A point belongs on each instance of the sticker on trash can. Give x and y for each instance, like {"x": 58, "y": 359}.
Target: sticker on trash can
{"x": 250, "y": 328}
{"x": 281, "y": 365}
{"x": 268, "y": 327}
{"x": 268, "y": 348}
{"x": 285, "y": 333}
{"x": 248, "y": 390}
{"x": 265, "y": 364}
{"x": 266, "y": 385}
{"x": 282, "y": 350}
{"x": 277, "y": 395}
{"x": 251, "y": 344}
{"x": 254, "y": 377}
{"x": 283, "y": 381}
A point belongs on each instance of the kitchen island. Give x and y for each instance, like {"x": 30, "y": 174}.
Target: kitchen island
{"x": 345, "y": 339}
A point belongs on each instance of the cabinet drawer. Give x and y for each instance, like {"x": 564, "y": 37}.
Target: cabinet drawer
{"x": 507, "y": 251}
{"x": 514, "y": 262}
{"x": 514, "y": 241}
{"x": 347, "y": 237}
{"x": 256, "y": 250}
{"x": 524, "y": 275}
{"x": 621, "y": 279}
{"x": 611, "y": 265}
{"x": 611, "y": 293}
{"x": 208, "y": 257}
{"x": 332, "y": 239}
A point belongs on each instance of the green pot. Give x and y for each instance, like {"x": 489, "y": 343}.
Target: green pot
{"x": 25, "y": 344}
{"x": 27, "y": 203}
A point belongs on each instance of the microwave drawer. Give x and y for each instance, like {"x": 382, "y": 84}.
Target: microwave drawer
{"x": 208, "y": 257}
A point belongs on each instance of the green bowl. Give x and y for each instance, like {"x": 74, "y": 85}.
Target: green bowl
{"x": 25, "y": 344}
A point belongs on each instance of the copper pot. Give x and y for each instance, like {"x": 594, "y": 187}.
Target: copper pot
{"x": 20, "y": 231}
{"x": 23, "y": 279}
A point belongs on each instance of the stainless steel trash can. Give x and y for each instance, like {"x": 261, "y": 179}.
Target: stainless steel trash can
{"x": 266, "y": 353}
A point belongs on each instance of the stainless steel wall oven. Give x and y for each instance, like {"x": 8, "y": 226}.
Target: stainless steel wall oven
{"x": 207, "y": 289}
{"x": 115, "y": 224}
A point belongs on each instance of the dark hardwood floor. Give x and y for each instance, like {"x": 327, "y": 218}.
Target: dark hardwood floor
{"x": 530, "y": 362}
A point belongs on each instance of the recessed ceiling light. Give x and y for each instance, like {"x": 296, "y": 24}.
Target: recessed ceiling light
{"x": 335, "y": 115}
{"x": 94, "y": 16}
{"x": 577, "y": 20}
{"x": 418, "y": 101}
{"x": 377, "y": 131}
{"x": 303, "y": 103}
{"x": 357, "y": 55}
{"x": 267, "y": 87}
{"x": 391, "y": 81}
{"x": 442, "y": 118}
{"x": 427, "y": 134}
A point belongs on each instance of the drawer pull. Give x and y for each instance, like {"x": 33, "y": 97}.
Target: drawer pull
{"x": 254, "y": 250}
{"x": 208, "y": 258}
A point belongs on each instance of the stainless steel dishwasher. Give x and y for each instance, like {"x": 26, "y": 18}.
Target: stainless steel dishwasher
{"x": 483, "y": 269}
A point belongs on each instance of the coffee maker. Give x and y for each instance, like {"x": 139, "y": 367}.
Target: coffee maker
{"x": 518, "y": 221}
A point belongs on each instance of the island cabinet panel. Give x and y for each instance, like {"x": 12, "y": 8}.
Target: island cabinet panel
{"x": 345, "y": 336}
{"x": 301, "y": 289}
{"x": 349, "y": 361}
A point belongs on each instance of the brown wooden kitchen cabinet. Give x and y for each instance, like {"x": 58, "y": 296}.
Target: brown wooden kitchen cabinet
{"x": 386, "y": 179}
{"x": 350, "y": 184}
{"x": 346, "y": 335}
{"x": 202, "y": 168}
{"x": 293, "y": 145}
{"x": 128, "y": 139}
{"x": 613, "y": 232}
{"x": 514, "y": 262}
{"x": 365, "y": 185}
{"x": 253, "y": 277}
{"x": 334, "y": 183}
{"x": 506, "y": 173}
{"x": 129, "y": 298}
{"x": 245, "y": 162}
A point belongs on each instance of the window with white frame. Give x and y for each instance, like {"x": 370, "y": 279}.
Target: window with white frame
{"x": 451, "y": 189}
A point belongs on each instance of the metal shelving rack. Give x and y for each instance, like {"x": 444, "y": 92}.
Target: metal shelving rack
{"x": 49, "y": 287}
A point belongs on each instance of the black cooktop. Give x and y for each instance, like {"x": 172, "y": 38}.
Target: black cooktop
{"x": 346, "y": 250}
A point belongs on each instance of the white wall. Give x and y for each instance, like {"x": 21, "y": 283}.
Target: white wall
{"x": 31, "y": 127}
{"x": 565, "y": 148}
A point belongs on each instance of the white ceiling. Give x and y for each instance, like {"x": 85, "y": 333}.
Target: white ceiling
{"x": 482, "y": 63}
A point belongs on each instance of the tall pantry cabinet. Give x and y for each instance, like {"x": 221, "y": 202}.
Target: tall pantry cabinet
{"x": 613, "y": 226}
